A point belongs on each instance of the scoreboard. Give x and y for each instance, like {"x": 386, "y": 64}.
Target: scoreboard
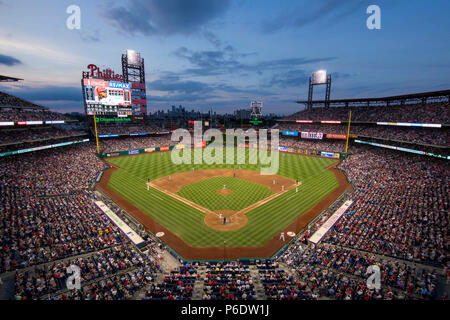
{"x": 107, "y": 97}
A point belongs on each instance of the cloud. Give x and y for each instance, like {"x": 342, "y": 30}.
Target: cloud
{"x": 162, "y": 17}
{"x": 182, "y": 98}
{"x": 87, "y": 36}
{"x": 312, "y": 12}
{"x": 209, "y": 62}
{"x": 186, "y": 87}
{"x": 228, "y": 60}
{"x": 212, "y": 38}
{"x": 292, "y": 78}
{"x": 341, "y": 75}
{"x": 40, "y": 49}
{"x": 169, "y": 89}
{"x": 9, "y": 61}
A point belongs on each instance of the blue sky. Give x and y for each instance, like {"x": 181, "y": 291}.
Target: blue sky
{"x": 221, "y": 54}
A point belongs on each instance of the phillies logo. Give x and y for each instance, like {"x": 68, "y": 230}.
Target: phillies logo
{"x": 106, "y": 74}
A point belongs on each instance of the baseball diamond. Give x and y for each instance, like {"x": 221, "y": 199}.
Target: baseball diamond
{"x": 257, "y": 212}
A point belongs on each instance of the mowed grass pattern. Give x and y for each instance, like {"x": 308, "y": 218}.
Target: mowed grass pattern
{"x": 205, "y": 193}
{"x": 263, "y": 223}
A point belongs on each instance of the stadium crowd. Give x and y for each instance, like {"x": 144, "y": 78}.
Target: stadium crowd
{"x": 178, "y": 285}
{"x": 341, "y": 274}
{"x": 49, "y": 172}
{"x": 122, "y": 144}
{"x": 436, "y": 112}
{"x": 98, "y": 272}
{"x": 129, "y": 129}
{"x": 279, "y": 285}
{"x": 39, "y": 230}
{"x": 8, "y": 100}
{"x": 431, "y": 136}
{"x": 228, "y": 281}
{"x": 400, "y": 207}
{"x": 318, "y": 145}
{"x": 30, "y": 115}
{"x": 22, "y": 135}
{"x": 398, "y": 221}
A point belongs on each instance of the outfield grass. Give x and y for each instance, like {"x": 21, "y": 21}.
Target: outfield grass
{"x": 263, "y": 222}
{"x": 205, "y": 193}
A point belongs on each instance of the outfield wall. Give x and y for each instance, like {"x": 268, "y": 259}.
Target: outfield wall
{"x": 325, "y": 154}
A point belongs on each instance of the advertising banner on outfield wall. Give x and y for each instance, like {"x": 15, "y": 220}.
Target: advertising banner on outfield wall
{"x": 200, "y": 144}
{"x": 179, "y": 146}
{"x": 164, "y": 148}
{"x": 330, "y": 155}
{"x": 336, "y": 136}
{"x": 289, "y": 133}
{"x": 312, "y": 135}
{"x": 150, "y": 149}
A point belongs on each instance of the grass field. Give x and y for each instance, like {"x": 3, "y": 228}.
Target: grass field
{"x": 263, "y": 223}
{"x": 205, "y": 194}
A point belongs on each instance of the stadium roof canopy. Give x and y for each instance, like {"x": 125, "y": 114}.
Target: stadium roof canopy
{"x": 8, "y": 79}
{"x": 392, "y": 100}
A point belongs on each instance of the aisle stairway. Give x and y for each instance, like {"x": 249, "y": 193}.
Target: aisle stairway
{"x": 197, "y": 293}
{"x": 259, "y": 288}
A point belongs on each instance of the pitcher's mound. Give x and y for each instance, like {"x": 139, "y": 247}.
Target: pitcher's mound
{"x": 224, "y": 192}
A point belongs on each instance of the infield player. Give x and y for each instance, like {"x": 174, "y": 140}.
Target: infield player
{"x": 282, "y": 236}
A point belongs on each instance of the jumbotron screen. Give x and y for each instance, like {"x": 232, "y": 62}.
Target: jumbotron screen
{"x": 107, "y": 97}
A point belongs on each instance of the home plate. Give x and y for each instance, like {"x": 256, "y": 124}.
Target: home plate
{"x": 291, "y": 234}
{"x": 160, "y": 234}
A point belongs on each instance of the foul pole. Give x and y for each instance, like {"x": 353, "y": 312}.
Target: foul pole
{"x": 348, "y": 131}
{"x": 96, "y": 135}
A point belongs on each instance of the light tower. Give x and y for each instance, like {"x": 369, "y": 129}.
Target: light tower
{"x": 318, "y": 78}
{"x": 133, "y": 72}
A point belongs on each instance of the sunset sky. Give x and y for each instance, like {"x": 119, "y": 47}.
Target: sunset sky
{"x": 206, "y": 54}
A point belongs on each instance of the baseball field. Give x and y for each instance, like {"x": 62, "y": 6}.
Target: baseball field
{"x": 188, "y": 202}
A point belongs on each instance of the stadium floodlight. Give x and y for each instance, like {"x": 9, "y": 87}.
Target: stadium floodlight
{"x": 134, "y": 58}
{"x": 319, "y": 77}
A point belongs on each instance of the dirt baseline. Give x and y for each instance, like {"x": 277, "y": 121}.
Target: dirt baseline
{"x": 223, "y": 253}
